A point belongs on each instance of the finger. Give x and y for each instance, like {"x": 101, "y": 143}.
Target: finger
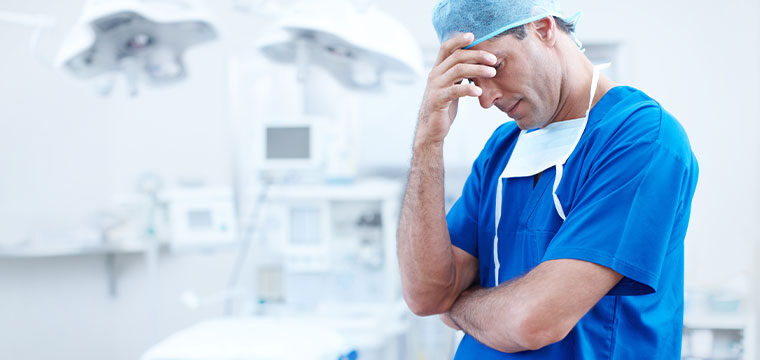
{"x": 450, "y": 45}
{"x": 468, "y": 57}
{"x": 457, "y": 91}
{"x": 466, "y": 71}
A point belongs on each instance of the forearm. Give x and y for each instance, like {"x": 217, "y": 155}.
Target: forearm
{"x": 428, "y": 269}
{"x": 477, "y": 312}
{"x": 535, "y": 310}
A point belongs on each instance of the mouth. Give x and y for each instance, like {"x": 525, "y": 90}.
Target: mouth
{"x": 511, "y": 111}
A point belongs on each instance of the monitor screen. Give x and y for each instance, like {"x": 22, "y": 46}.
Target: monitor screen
{"x": 288, "y": 143}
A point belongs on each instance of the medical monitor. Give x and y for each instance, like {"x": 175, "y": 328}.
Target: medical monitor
{"x": 289, "y": 149}
{"x": 288, "y": 143}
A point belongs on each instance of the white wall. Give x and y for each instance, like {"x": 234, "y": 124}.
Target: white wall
{"x": 60, "y": 308}
{"x": 64, "y": 151}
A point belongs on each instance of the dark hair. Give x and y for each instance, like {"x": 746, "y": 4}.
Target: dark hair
{"x": 520, "y": 33}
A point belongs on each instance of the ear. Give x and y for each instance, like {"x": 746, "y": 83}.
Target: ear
{"x": 546, "y": 30}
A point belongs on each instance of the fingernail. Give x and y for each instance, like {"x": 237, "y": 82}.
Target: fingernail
{"x": 479, "y": 91}
{"x": 491, "y": 58}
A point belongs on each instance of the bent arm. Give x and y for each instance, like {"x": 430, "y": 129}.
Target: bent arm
{"x": 433, "y": 272}
{"x": 535, "y": 310}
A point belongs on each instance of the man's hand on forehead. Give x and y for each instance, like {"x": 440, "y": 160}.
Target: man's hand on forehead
{"x": 445, "y": 87}
{"x": 466, "y": 63}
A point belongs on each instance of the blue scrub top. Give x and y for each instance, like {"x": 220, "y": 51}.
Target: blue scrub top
{"x": 626, "y": 190}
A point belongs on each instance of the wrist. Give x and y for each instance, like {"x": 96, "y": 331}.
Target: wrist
{"x": 473, "y": 292}
{"x": 426, "y": 143}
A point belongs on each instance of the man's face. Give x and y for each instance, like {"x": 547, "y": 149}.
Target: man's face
{"x": 527, "y": 82}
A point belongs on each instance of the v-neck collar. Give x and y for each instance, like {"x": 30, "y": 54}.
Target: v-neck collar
{"x": 537, "y": 192}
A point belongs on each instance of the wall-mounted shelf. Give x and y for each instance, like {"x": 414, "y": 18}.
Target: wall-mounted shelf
{"x": 108, "y": 251}
{"x": 39, "y": 251}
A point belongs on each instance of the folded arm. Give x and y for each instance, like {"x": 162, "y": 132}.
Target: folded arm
{"x": 534, "y": 310}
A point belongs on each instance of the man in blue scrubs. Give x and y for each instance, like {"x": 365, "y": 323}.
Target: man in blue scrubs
{"x": 568, "y": 239}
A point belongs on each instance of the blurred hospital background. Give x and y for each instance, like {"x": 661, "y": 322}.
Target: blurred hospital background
{"x": 222, "y": 179}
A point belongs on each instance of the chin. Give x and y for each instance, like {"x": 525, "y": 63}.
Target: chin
{"x": 526, "y": 124}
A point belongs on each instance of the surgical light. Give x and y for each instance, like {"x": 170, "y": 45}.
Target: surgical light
{"x": 144, "y": 40}
{"x": 358, "y": 46}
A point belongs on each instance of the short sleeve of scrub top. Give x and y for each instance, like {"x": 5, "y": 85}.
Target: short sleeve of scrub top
{"x": 623, "y": 215}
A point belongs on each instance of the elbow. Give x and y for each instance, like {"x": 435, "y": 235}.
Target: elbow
{"x": 420, "y": 309}
{"x": 431, "y": 298}
{"x": 533, "y": 331}
{"x": 426, "y": 305}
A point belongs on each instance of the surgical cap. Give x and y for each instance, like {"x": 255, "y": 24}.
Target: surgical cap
{"x": 488, "y": 18}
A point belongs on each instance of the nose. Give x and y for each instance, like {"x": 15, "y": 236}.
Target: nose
{"x": 489, "y": 96}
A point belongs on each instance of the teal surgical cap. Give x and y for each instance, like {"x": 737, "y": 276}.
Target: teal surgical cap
{"x": 488, "y": 18}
